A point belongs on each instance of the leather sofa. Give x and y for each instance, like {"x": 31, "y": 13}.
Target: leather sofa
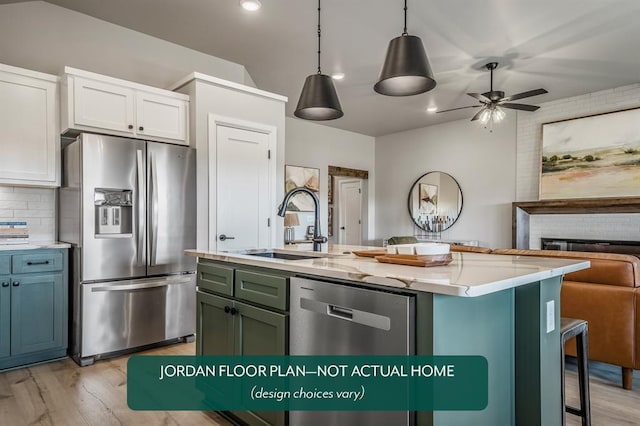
{"x": 607, "y": 295}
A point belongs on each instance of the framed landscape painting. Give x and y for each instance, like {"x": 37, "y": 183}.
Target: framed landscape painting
{"x": 296, "y": 176}
{"x": 591, "y": 157}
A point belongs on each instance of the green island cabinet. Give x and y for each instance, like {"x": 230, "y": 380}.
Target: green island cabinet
{"x": 33, "y": 306}
{"x": 243, "y": 311}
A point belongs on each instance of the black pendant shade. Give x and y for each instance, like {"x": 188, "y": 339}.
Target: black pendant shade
{"x": 406, "y": 70}
{"x": 318, "y": 100}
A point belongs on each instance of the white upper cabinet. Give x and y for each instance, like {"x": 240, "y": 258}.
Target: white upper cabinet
{"x": 96, "y": 103}
{"x": 103, "y": 106}
{"x": 161, "y": 116}
{"x": 29, "y": 137}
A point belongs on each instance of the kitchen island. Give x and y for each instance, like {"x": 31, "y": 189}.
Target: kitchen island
{"x": 505, "y": 308}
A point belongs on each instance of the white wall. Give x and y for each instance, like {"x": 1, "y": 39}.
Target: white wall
{"x": 483, "y": 163}
{"x": 36, "y": 206}
{"x": 313, "y": 145}
{"x": 44, "y": 37}
{"x": 529, "y": 130}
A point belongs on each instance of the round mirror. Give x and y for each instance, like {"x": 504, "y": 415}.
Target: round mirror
{"x": 435, "y": 201}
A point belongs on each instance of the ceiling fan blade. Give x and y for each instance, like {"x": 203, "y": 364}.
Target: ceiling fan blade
{"x": 479, "y": 97}
{"x": 523, "y": 95}
{"x": 454, "y": 109}
{"x": 522, "y": 107}
{"x": 477, "y": 116}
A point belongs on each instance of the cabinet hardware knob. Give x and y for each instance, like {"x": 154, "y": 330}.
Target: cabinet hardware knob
{"x": 16, "y": 283}
{"x": 234, "y": 311}
{"x": 227, "y": 309}
{"x": 130, "y": 126}
{"x": 141, "y": 128}
{"x": 5, "y": 284}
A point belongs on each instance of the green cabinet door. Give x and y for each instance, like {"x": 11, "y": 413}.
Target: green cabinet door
{"x": 260, "y": 332}
{"x": 38, "y": 313}
{"x": 214, "y": 325}
{"x": 5, "y": 316}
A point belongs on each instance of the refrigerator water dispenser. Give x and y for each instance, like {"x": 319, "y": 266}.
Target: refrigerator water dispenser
{"x": 114, "y": 212}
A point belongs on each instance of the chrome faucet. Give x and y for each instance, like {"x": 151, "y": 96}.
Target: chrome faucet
{"x": 317, "y": 238}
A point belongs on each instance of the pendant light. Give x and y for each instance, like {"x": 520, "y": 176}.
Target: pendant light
{"x": 406, "y": 69}
{"x": 318, "y": 100}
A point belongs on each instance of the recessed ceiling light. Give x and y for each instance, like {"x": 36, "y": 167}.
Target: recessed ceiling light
{"x": 432, "y": 109}
{"x": 337, "y": 76}
{"x": 251, "y": 5}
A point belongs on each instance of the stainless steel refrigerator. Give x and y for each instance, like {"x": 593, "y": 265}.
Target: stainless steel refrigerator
{"x": 127, "y": 206}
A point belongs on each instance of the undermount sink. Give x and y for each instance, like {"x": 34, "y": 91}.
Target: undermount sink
{"x": 277, "y": 255}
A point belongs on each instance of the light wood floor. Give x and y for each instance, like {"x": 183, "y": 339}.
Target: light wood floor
{"x": 61, "y": 393}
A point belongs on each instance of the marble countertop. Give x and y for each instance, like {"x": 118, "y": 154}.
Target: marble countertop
{"x": 35, "y": 246}
{"x": 469, "y": 275}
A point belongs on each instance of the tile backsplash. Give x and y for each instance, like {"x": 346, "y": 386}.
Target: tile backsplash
{"x": 36, "y": 206}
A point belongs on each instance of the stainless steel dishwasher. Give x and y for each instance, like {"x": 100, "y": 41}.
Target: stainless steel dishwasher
{"x": 335, "y": 319}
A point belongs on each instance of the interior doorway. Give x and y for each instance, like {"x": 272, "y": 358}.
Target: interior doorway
{"x": 348, "y": 205}
{"x": 350, "y": 211}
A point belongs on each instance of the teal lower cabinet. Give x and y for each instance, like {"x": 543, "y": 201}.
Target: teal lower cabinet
{"x": 34, "y": 308}
{"x": 5, "y": 316}
{"x": 252, "y": 320}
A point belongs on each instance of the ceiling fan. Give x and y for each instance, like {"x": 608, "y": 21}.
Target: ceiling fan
{"x": 493, "y": 101}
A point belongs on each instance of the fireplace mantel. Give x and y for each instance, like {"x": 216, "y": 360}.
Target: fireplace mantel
{"x": 521, "y": 210}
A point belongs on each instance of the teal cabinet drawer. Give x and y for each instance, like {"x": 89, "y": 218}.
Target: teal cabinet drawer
{"x": 215, "y": 278}
{"x": 37, "y": 262}
{"x": 5, "y": 264}
{"x": 264, "y": 289}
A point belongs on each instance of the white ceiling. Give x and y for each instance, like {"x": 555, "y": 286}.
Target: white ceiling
{"x": 568, "y": 47}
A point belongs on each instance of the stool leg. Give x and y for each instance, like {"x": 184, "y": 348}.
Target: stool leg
{"x": 583, "y": 377}
{"x": 627, "y": 378}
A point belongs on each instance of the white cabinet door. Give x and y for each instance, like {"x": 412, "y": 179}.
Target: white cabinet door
{"x": 103, "y": 105}
{"x": 243, "y": 189}
{"x": 161, "y": 117}
{"x": 29, "y": 140}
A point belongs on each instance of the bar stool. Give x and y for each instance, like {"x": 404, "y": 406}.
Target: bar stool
{"x": 570, "y": 328}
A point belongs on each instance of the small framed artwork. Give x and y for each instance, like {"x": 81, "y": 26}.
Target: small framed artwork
{"x": 591, "y": 157}
{"x": 330, "y": 190}
{"x": 428, "y": 202}
{"x": 297, "y": 176}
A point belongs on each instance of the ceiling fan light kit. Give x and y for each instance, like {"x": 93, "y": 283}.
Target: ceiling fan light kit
{"x": 318, "y": 99}
{"x": 493, "y": 102}
{"x": 406, "y": 70}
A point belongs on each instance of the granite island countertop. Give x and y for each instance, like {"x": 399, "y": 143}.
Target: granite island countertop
{"x": 468, "y": 275}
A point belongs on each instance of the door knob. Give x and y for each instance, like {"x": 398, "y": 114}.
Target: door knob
{"x": 223, "y": 237}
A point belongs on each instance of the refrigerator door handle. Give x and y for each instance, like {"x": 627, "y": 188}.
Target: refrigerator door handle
{"x": 153, "y": 219}
{"x": 140, "y": 246}
{"x": 139, "y": 286}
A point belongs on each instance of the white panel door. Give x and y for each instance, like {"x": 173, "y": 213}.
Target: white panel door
{"x": 350, "y": 212}
{"x": 243, "y": 189}
{"x": 29, "y": 138}
{"x": 103, "y": 105}
{"x": 161, "y": 116}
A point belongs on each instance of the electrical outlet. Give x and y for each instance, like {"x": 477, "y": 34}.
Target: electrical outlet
{"x": 551, "y": 316}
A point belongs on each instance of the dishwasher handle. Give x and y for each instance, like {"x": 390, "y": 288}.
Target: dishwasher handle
{"x": 340, "y": 312}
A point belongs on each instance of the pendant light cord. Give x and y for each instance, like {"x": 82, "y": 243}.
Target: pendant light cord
{"x": 404, "y": 33}
{"x": 319, "y": 34}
